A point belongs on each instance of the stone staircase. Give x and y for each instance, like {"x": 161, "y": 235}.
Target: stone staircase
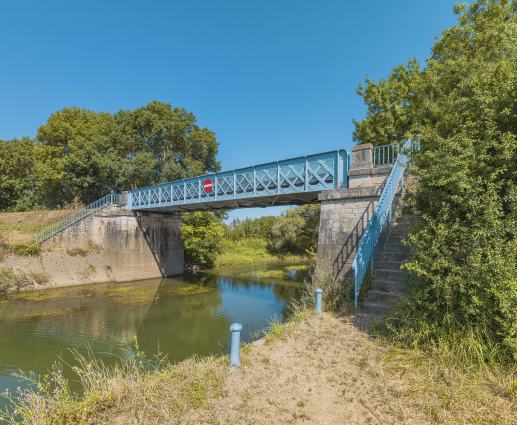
{"x": 386, "y": 286}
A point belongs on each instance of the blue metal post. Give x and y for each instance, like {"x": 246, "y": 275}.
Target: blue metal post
{"x": 318, "y": 301}
{"x": 235, "y": 361}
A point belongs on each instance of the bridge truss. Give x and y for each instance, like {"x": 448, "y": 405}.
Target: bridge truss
{"x": 294, "y": 181}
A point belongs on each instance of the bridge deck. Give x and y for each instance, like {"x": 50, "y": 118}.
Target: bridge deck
{"x": 294, "y": 181}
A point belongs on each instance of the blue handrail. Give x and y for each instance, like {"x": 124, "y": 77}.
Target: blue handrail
{"x": 366, "y": 249}
{"x": 387, "y": 154}
{"x": 76, "y": 216}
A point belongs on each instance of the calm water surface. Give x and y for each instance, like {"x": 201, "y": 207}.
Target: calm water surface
{"x": 184, "y": 315}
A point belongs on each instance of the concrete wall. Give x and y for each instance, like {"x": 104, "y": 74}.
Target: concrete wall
{"x": 137, "y": 245}
{"x": 345, "y": 213}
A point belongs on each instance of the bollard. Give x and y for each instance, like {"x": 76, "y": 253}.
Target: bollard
{"x": 70, "y": 246}
{"x": 235, "y": 361}
{"x": 100, "y": 244}
{"x": 318, "y": 301}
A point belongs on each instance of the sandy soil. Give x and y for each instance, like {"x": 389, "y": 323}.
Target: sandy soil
{"x": 324, "y": 371}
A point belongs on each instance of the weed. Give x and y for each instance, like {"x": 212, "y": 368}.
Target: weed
{"x": 9, "y": 279}
{"x": 156, "y": 388}
{"x": 25, "y": 249}
{"x": 87, "y": 272}
{"x": 275, "y": 330}
{"x": 81, "y": 252}
{"x": 40, "y": 278}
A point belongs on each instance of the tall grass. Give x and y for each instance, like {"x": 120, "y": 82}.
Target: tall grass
{"x": 150, "y": 390}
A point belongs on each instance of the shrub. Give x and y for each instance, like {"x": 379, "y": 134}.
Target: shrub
{"x": 201, "y": 233}
{"x": 40, "y": 278}
{"x": 24, "y": 249}
{"x": 12, "y": 280}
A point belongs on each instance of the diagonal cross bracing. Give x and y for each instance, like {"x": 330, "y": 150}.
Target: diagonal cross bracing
{"x": 294, "y": 181}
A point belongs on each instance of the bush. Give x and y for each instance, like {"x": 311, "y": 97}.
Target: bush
{"x": 201, "y": 233}
{"x": 297, "y": 227}
{"x": 24, "y": 249}
{"x": 463, "y": 242}
{"x": 40, "y": 278}
{"x": 335, "y": 294}
{"x": 11, "y": 280}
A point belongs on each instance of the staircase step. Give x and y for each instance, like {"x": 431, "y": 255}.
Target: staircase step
{"x": 376, "y": 308}
{"x": 393, "y": 256}
{"x": 394, "y": 275}
{"x": 388, "y": 285}
{"x": 395, "y": 238}
{"x": 390, "y": 265}
{"x": 395, "y": 247}
{"x": 398, "y": 232}
{"x": 375, "y": 295}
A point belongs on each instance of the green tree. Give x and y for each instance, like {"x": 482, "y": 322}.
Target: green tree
{"x": 391, "y": 106}
{"x": 464, "y": 106}
{"x": 18, "y": 175}
{"x": 76, "y": 156}
{"x": 162, "y": 143}
{"x": 297, "y": 228}
{"x": 201, "y": 233}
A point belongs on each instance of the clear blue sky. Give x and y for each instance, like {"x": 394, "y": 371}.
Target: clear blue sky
{"x": 274, "y": 79}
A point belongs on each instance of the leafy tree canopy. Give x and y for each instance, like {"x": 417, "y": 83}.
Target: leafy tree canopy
{"x": 84, "y": 154}
{"x": 18, "y": 176}
{"x": 297, "y": 227}
{"x": 463, "y": 105}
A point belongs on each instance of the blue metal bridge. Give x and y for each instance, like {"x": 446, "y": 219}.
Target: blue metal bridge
{"x": 294, "y": 181}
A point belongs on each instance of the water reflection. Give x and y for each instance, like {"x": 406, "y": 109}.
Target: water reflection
{"x": 186, "y": 315}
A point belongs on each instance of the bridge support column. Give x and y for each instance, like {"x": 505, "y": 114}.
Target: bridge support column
{"x": 345, "y": 214}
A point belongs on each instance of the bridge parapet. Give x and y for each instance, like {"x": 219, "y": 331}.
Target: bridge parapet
{"x": 295, "y": 181}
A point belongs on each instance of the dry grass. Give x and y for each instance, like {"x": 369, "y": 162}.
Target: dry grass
{"x": 451, "y": 392}
{"x": 20, "y": 227}
{"x": 11, "y": 280}
{"x": 310, "y": 370}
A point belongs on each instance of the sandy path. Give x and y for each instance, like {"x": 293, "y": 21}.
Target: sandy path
{"x": 322, "y": 371}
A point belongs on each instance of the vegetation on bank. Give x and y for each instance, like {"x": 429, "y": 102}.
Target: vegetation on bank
{"x": 208, "y": 241}
{"x": 463, "y": 106}
{"x": 437, "y": 385}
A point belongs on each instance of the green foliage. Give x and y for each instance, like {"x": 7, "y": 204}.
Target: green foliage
{"x": 201, "y": 233}
{"x": 75, "y": 156}
{"x": 464, "y": 252}
{"x": 25, "y": 249}
{"x": 250, "y": 228}
{"x": 162, "y": 143}
{"x": 391, "y": 109}
{"x": 18, "y": 175}
{"x": 297, "y": 227}
{"x": 84, "y": 154}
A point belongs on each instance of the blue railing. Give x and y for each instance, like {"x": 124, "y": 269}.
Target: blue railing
{"x": 366, "y": 249}
{"x": 274, "y": 183}
{"x": 387, "y": 154}
{"x": 76, "y": 216}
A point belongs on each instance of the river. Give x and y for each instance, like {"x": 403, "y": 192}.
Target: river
{"x": 179, "y": 316}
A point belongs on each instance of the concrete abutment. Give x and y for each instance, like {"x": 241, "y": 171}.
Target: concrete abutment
{"x": 345, "y": 214}
{"x": 137, "y": 245}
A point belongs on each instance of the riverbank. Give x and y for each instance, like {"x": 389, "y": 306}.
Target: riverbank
{"x": 251, "y": 250}
{"x": 315, "y": 370}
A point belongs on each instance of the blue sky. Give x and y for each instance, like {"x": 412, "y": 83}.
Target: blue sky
{"x": 274, "y": 79}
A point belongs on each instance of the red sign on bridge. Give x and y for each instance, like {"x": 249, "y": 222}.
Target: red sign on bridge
{"x": 208, "y": 185}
